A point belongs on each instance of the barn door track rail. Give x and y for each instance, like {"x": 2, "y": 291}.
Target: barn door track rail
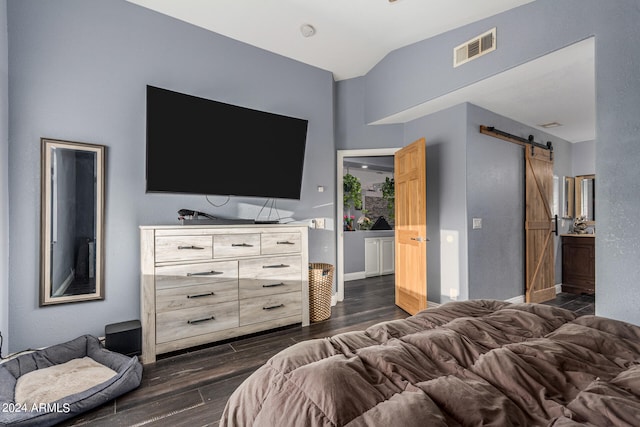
{"x": 491, "y": 131}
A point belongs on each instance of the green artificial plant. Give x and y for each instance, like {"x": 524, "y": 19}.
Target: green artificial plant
{"x": 389, "y": 195}
{"x": 352, "y": 192}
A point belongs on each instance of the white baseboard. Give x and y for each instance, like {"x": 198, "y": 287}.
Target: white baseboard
{"x": 431, "y": 304}
{"x": 354, "y": 276}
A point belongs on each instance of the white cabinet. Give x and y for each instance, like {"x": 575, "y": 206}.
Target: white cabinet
{"x": 379, "y": 256}
{"x": 201, "y": 284}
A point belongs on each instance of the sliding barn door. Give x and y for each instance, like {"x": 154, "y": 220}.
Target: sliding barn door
{"x": 539, "y": 225}
{"x": 410, "y": 176}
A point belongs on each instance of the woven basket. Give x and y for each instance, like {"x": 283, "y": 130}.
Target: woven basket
{"x": 320, "y": 288}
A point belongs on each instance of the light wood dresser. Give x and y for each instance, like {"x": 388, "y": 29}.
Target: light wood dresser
{"x": 201, "y": 284}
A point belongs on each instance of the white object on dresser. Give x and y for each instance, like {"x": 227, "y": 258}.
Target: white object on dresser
{"x": 201, "y": 284}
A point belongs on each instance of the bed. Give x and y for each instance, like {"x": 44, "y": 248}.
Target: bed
{"x": 45, "y": 387}
{"x": 479, "y": 362}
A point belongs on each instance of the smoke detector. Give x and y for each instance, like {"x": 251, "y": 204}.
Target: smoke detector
{"x": 307, "y": 30}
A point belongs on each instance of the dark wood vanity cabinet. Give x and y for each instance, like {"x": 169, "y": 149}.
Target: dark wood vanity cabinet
{"x": 578, "y": 264}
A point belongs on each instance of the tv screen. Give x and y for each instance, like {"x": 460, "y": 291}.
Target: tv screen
{"x": 201, "y": 146}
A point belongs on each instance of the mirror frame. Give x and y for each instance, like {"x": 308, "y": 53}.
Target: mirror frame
{"x": 578, "y": 191}
{"x": 569, "y": 197}
{"x": 46, "y": 223}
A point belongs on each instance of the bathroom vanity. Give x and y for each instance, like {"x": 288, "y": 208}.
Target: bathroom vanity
{"x": 578, "y": 263}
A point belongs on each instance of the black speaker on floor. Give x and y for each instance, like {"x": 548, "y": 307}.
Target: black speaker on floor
{"x": 124, "y": 337}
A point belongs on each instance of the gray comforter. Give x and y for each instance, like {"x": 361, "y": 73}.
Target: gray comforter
{"x": 466, "y": 363}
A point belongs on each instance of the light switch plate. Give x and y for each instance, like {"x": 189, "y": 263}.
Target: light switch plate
{"x": 477, "y": 223}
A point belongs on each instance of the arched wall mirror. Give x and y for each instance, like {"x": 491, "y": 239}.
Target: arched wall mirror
{"x": 71, "y": 233}
{"x": 585, "y": 197}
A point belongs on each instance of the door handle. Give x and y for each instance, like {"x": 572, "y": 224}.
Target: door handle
{"x": 420, "y": 239}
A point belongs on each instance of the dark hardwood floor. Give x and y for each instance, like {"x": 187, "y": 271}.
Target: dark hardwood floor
{"x": 579, "y": 304}
{"x": 191, "y": 388}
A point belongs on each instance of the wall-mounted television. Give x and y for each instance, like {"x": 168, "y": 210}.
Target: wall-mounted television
{"x": 201, "y": 146}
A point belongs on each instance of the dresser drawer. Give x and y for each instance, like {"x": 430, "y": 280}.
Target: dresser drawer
{"x": 183, "y": 248}
{"x": 264, "y": 309}
{"x": 172, "y": 276}
{"x": 195, "y": 296}
{"x": 284, "y": 283}
{"x": 189, "y": 322}
{"x": 236, "y": 245}
{"x": 281, "y": 243}
{"x": 270, "y": 267}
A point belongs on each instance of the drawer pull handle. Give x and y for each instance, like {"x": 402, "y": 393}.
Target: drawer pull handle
{"x": 241, "y": 245}
{"x": 206, "y": 273}
{"x": 208, "y": 294}
{"x": 196, "y": 321}
{"x": 285, "y": 242}
{"x": 273, "y": 307}
{"x": 199, "y": 248}
{"x": 273, "y": 285}
{"x": 276, "y": 266}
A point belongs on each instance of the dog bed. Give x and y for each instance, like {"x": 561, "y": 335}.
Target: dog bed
{"x": 70, "y": 368}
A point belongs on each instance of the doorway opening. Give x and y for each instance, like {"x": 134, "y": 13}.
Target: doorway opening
{"x": 344, "y": 156}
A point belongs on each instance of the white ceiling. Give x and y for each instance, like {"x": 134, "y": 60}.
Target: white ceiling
{"x": 352, "y": 36}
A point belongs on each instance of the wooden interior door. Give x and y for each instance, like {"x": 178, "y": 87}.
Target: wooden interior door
{"x": 410, "y": 176}
{"x": 539, "y": 226}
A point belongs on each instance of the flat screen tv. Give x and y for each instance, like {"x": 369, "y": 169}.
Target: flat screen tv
{"x": 200, "y": 146}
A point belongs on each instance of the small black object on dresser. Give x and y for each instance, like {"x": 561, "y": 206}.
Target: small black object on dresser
{"x": 124, "y": 337}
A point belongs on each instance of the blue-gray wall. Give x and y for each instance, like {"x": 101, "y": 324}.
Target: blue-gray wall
{"x": 78, "y": 71}
{"x": 446, "y": 137}
{"x": 583, "y": 161}
{"x": 617, "y": 156}
{"x": 495, "y": 194}
{"x": 4, "y": 178}
{"x": 423, "y": 72}
{"x": 351, "y": 131}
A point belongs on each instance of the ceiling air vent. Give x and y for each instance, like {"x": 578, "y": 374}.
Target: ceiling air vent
{"x": 475, "y": 48}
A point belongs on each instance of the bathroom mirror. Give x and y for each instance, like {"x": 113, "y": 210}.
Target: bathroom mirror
{"x": 585, "y": 197}
{"x": 569, "y": 197}
{"x": 71, "y": 233}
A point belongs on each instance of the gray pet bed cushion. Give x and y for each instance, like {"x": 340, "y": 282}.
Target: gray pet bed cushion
{"x": 128, "y": 376}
